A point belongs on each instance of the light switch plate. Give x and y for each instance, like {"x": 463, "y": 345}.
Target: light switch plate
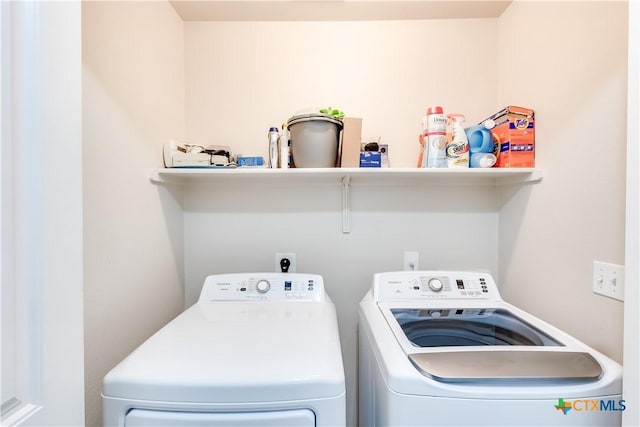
{"x": 608, "y": 280}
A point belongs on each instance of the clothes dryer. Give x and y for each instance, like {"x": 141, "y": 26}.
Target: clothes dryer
{"x": 441, "y": 348}
{"x": 255, "y": 350}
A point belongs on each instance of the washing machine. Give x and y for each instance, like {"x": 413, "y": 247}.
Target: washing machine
{"x": 255, "y": 350}
{"x": 441, "y": 348}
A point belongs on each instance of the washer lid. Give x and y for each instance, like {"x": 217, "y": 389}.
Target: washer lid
{"x": 236, "y": 352}
{"x": 489, "y": 366}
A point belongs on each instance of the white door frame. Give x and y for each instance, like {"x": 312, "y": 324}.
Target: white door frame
{"x": 42, "y": 247}
{"x": 631, "y": 357}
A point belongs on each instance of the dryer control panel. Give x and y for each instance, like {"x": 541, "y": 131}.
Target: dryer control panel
{"x": 263, "y": 287}
{"x": 430, "y": 285}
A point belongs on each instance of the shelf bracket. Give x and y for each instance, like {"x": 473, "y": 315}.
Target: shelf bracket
{"x": 346, "y": 206}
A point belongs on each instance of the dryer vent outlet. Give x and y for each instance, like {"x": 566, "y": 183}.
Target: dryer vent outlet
{"x": 285, "y": 262}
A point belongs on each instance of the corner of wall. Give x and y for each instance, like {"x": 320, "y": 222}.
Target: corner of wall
{"x": 567, "y": 61}
{"x": 133, "y": 101}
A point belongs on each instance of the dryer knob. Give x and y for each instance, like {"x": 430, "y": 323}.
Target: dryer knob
{"x": 435, "y": 285}
{"x": 263, "y": 286}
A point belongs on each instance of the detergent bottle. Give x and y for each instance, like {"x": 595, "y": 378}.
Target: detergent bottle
{"x": 480, "y": 138}
{"x": 434, "y": 131}
{"x": 457, "y": 151}
{"x": 483, "y": 145}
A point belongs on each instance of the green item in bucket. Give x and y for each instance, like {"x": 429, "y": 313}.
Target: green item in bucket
{"x": 333, "y": 112}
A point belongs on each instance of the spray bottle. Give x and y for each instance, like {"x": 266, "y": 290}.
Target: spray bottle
{"x": 457, "y": 151}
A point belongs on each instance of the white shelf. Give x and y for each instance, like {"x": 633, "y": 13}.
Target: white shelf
{"x": 355, "y": 176}
{"x": 346, "y": 178}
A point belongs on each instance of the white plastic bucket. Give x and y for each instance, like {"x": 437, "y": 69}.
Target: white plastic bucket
{"x": 314, "y": 140}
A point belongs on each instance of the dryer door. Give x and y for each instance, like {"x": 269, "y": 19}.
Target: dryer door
{"x": 154, "y": 418}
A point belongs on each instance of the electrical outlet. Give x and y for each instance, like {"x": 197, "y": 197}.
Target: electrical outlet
{"x": 291, "y": 256}
{"x": 411, "y": 261}
{"x": 608, "y": 280}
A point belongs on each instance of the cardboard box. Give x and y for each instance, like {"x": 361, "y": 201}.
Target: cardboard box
{"x": 350, "y": 144}
{"x": 515, "y": 135}
{"x": 370, "y": 159}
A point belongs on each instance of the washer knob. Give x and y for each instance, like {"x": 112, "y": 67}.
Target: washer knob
{"x": 263, "y": 286}
{"x": 435, "y": 285}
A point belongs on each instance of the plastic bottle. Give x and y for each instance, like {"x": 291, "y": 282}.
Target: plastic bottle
{"x": 284, "y": 147}
{"x": 273, "y": 147}
{"x": 457, "y": 151}
{"x": 480, "y": 137}
{"x": 434, "y": 128}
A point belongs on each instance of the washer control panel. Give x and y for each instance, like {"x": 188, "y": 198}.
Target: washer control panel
{"x": 434, "y": 285}
{"x": 263, "y": 287}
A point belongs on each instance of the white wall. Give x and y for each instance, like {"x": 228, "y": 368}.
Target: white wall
{"x": 133, "y": 101}
{"x": 568, "y": 61}
{"x": 239, "y": 229}
{"x": 242, "y": 77}
{"x": 565, "y": 60}
{"x": 631, "y": 356}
